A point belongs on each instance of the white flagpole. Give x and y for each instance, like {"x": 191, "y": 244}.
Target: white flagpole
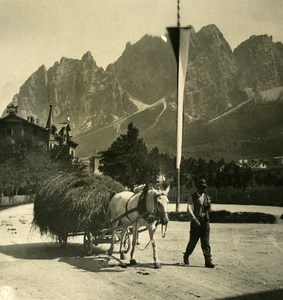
{"x": 179, "y": 37}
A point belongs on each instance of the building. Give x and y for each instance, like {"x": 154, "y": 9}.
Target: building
{"x": 63, "y": 137}
{"x": 254, "y": 163}
{"x": 92, "y": 164}
{"x": 265, "y": 172}
{"x": 14, "y": 128}
{"x": 278, "y": 161}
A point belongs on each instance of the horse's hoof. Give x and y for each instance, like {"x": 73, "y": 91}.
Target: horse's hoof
{"x": 109, "y": 252}
{"x": 133, "y": 262}
{"x": 89, "y": 253}
{"x": 157, "y": 265}
{"x": 122, "y": 256}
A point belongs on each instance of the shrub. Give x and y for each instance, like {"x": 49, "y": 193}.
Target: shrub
{"x": 224, "y": 216}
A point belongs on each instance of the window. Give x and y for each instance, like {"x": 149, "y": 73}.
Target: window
{"x": 9, "y": 131}
{"x": 17, "y": 132}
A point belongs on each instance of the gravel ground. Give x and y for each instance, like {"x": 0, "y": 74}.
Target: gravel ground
{"x": 248, "y": 257}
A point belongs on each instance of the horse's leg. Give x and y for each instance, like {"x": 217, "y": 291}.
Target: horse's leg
{"x": 138, "y": 238}
{"x": 122, "y": 237}
{"x": 134, "y": 242}
{"x": 151, "y": 231}
{"x": 110, "y": 250}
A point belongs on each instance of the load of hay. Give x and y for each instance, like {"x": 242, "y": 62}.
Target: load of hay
{"x": 69, "y": 203}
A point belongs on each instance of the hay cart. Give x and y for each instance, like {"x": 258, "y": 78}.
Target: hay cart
{"x": 103, "y": 236}
{"x": 75, "y": 204}
{"x": 94, "y": 238}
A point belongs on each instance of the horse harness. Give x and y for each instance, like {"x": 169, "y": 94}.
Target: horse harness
{"x": 141, "y": 208}
{"x": 150, "y": 217}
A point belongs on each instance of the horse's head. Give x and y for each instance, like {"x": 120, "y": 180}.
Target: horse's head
{"x": 161, "y": 204}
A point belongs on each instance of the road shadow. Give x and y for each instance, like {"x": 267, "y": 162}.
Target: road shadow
{"x": 163, "y": 264}
{"x": 104, "y": 263}
{"x": 99, "y": 263}
{"x": 74, "y": 255}
{"x": 41, "y": 250}
{"x": 266, "y": 295}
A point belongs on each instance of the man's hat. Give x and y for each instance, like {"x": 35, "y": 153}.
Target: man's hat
{"x": 201, "y": 183}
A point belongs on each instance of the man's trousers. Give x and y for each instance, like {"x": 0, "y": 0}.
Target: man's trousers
{"x": 201, "y": 232}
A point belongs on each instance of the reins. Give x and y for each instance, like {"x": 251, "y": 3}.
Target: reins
{"x": 156, "y": 224}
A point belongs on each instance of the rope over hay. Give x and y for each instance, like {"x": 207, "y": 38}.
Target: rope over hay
{"x": 69, "y": 203}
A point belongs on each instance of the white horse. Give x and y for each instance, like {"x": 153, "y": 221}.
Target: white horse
{"x": 124, "y": 211}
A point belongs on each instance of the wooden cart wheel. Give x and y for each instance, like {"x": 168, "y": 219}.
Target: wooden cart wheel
{"x": 127, "y": 242}
{"x": 96, "y": 240}
{"x": 63, "y": 241}
{"x": 88, "y": 243}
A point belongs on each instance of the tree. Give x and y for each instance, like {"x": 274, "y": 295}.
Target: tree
{"x": 28, "y": 165}
{"x": 233, "y": 175}
{"x": 127, "y": 160}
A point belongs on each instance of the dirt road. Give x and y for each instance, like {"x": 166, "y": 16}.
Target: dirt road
{"x": 249, "y": 259}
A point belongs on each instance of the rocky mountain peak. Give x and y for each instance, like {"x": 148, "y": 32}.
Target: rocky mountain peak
{"x": 140, "y": 87}
{"x": 212, "y": 66}
{"x": 257, "y": 40}
{"x": 260, "y": 63}
{"x": 87, "y": 56}
{"x": 210, "y": 29}
{"x": 65, "y": 60}
{"x": 211, "y": 39}
{"x": 147, "y": 69}
{"x": 42, "y": 68}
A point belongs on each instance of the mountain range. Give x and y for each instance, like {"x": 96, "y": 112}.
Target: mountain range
{"x": 233, "y": 100}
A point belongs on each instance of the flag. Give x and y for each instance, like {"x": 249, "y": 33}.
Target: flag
{"x": 179, "y": 37}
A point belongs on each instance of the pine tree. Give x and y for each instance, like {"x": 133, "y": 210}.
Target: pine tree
{"x": 126, "y": 160}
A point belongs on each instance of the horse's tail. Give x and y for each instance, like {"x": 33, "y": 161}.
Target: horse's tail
{"x": 108, "y": 212}
{"x": 112, "y": 194}
{"x": 108, "y": 217}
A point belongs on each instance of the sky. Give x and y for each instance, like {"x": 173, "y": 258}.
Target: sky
{"x": 37, "y": 32}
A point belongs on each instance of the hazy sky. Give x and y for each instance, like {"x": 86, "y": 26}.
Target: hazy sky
{"x": 36, "y": 32}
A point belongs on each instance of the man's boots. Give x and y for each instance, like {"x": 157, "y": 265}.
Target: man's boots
{"x": 209, "y": 264}
{"x": 186, "y": 259}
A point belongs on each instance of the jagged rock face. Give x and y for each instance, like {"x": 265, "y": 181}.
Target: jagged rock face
{"x": 33, "y": 95}
{"x": 260, "y": 63}
{"x": 221, "y": 88}
{"x": 147, "y": 69}
{"x": 78, "y": 88}
{"x": 211, "y": 75}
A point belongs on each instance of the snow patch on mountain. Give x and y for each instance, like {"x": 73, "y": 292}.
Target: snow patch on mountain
{"x": 140, "y": 105}
{"x": 229, "y": 111}
{"x": 162, "y": 101}
{"x": 272, "y": 94}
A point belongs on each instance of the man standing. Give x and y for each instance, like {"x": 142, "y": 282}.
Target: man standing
{"x": 199, "y": 206}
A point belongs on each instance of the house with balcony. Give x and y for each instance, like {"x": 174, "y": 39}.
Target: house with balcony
{"x": 14, "y": 128}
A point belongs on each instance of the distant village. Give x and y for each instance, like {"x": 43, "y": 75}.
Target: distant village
{"x": 14, "y": 128}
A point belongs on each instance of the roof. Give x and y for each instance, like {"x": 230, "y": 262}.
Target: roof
{"x": 19, "y": 119}
{"x": 72, "y": 143}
